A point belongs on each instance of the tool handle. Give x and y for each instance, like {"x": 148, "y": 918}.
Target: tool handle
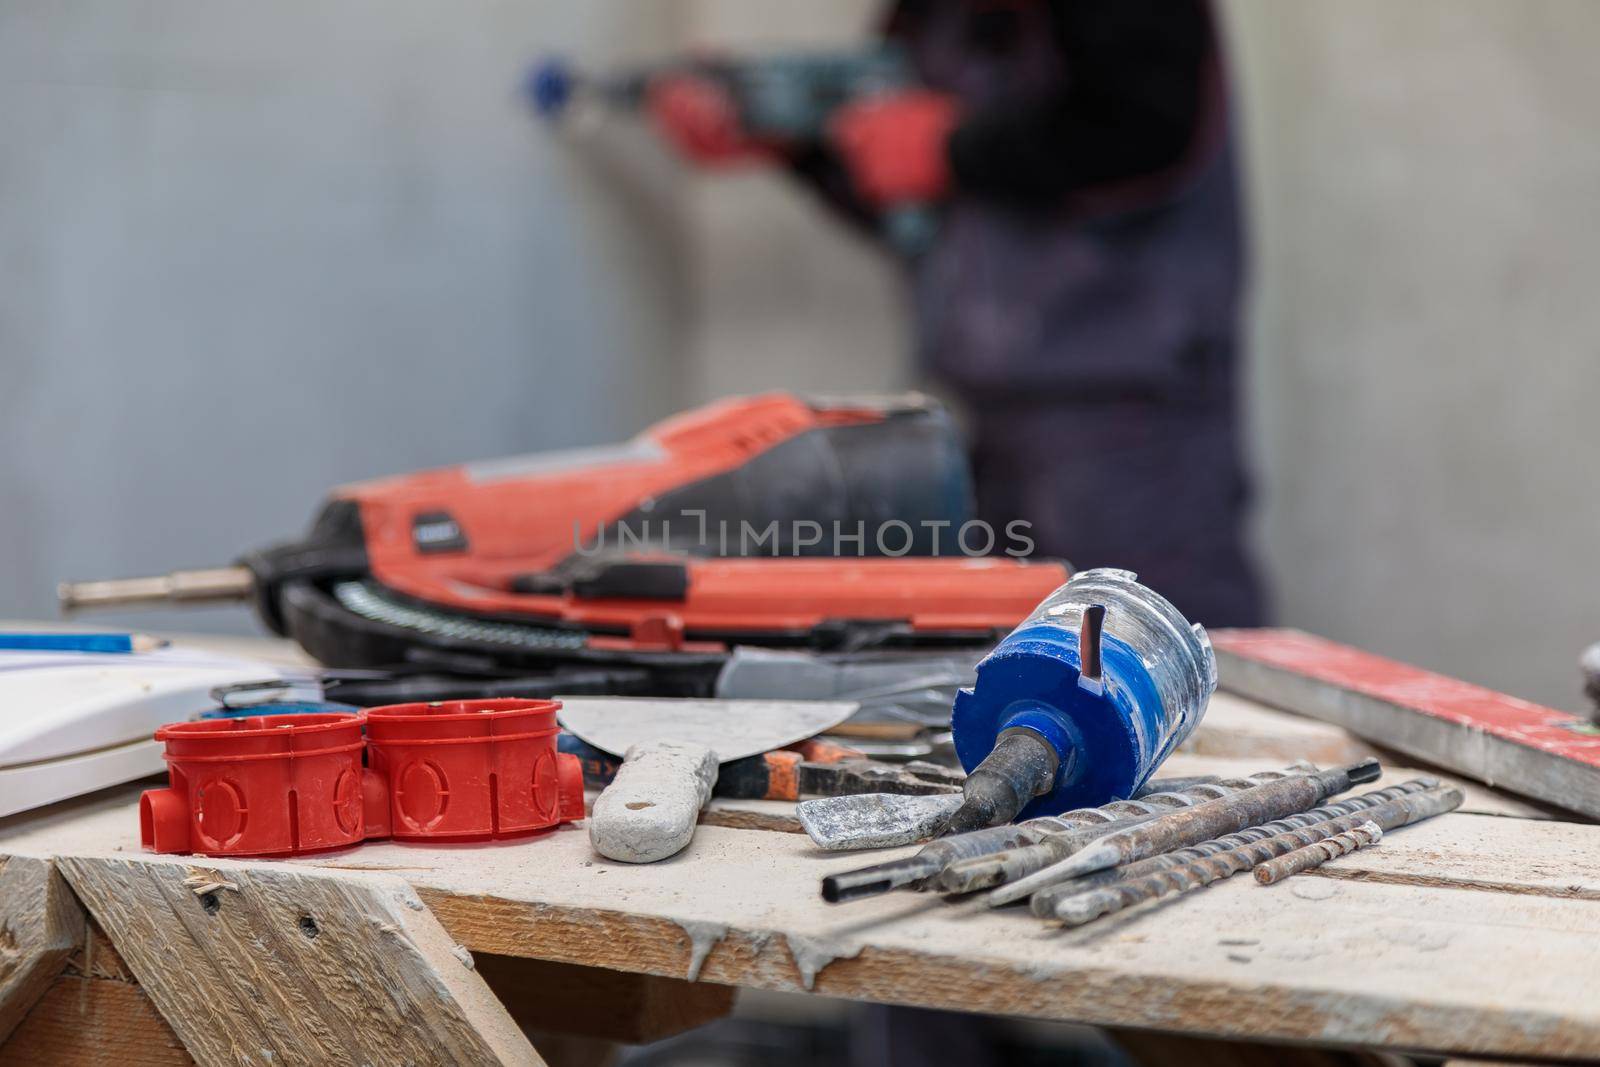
{"x": 782, "y": 773}
{"x": 649, "y": 810}
{"x": 777, "y": 775}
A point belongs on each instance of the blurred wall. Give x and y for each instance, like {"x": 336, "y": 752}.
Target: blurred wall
{"x": 249, "y": 251}
{"x": 1422, "y": 183}
{"x": 1426, "y": 199}
{"x": 784, "y": 296}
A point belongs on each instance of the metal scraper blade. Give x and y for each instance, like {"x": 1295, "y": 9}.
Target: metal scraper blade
{"x": 732, "y": 729}
{"x": 875, "y": 820}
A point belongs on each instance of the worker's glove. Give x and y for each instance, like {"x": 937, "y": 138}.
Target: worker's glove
{"x": 700, "y": 119}
{"x": 895, "y": 146}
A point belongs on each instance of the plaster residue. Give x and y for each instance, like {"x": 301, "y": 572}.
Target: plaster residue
{"x": 1423, "y": 939}
{"x": 812, "y": 954}
{"x": 703, "y": 937}
{"x": 1313, "y": 888}
{"x": 408, "y": 897}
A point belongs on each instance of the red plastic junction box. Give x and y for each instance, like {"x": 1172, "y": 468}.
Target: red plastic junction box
{"x": 262, "y": 786}
{"x": 473, "y": 769}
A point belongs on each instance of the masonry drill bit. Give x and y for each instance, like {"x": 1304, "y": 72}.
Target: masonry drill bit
{"x": 1315, "y": 855}
{"x": 1083, "y": 907}
{"x": 918, "y": 869}
{"x": 1225, "y": 815}
{"x": 1043, "y": 902}
{"x": 996, "y": 867}
{"x": 1015, "y": 864}
{"x": 1079, "y": 908}
{"x": 193, "y": 586}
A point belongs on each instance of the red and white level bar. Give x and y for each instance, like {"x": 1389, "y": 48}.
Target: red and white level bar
{"x": 1497, "y": 739}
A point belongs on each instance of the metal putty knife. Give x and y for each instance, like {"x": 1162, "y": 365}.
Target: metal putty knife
{"x": 671, "y": 749}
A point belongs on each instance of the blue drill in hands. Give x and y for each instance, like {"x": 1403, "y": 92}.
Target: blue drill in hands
{"x": 782, "y": 102}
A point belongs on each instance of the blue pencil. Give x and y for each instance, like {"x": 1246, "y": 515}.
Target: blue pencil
{"x": 78, "y": 642}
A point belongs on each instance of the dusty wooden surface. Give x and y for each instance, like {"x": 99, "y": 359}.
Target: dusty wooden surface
{"x": 1468, "y": 933}
{"x": 95, "y": 1014}
{"x": 1474, "y": 933}
{"x": 1236, "y": 728}
{"x": 40, "y": 926}
{"x": 287, "y": 965}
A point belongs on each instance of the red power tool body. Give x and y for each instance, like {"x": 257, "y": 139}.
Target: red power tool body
{"x": 765, "y": 520}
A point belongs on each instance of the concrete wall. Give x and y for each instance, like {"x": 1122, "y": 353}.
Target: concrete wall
{"x": 249, "y": 251}
{"x": 1427, "y": 333}
{"x": 1422, "y": 182}
{"x": 783, "y": 296}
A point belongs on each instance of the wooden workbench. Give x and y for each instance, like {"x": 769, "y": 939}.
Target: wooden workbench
{"x": 1478, "y": 932}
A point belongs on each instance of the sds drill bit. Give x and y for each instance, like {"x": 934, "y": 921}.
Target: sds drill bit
{"x": 916, "y": 870}
{"x": 1202, "y": 822}
{"x": 1015, "y": 864}
{"x": 1043, "y": 902}
{"x": 1318, "y": 853}
{"x": 1083, "y": 907}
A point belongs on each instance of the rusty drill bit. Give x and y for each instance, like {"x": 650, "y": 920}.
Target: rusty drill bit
{"x": 1225, "y": 815}
{"x": 1013, "y": 864}
{"x": 1083, "y": 907}
{"x": 916, "y": 871}
{"x": 1315, "y": 855}
{"x": 1035, "y": 851}
{"x": 1043, "y": 901}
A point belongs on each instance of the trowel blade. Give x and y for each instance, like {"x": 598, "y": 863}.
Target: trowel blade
{"x": 732, "y": 729}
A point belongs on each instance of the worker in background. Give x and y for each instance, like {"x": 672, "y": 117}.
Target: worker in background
{"x": 1081, "y": 297}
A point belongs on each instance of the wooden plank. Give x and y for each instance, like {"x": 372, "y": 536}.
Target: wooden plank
{"x": 85, "y": 1022}
{"x": 1468, "y": 934}
{"x": 1491, "y": 737}
{"x": 94, "y": 1014}
{"x": 563, "y": 998}
{"x": 1417, "y": 963}
{"x": 776, "y": 816}
{"x": 40, "y": 926}
{"x": 295, "y": 966}
{"x": 1465, "y": 934}
{"x": 1417, "y": 959}
{"x": 1480, "y": 800}
{"x": 1234, "y": 727}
